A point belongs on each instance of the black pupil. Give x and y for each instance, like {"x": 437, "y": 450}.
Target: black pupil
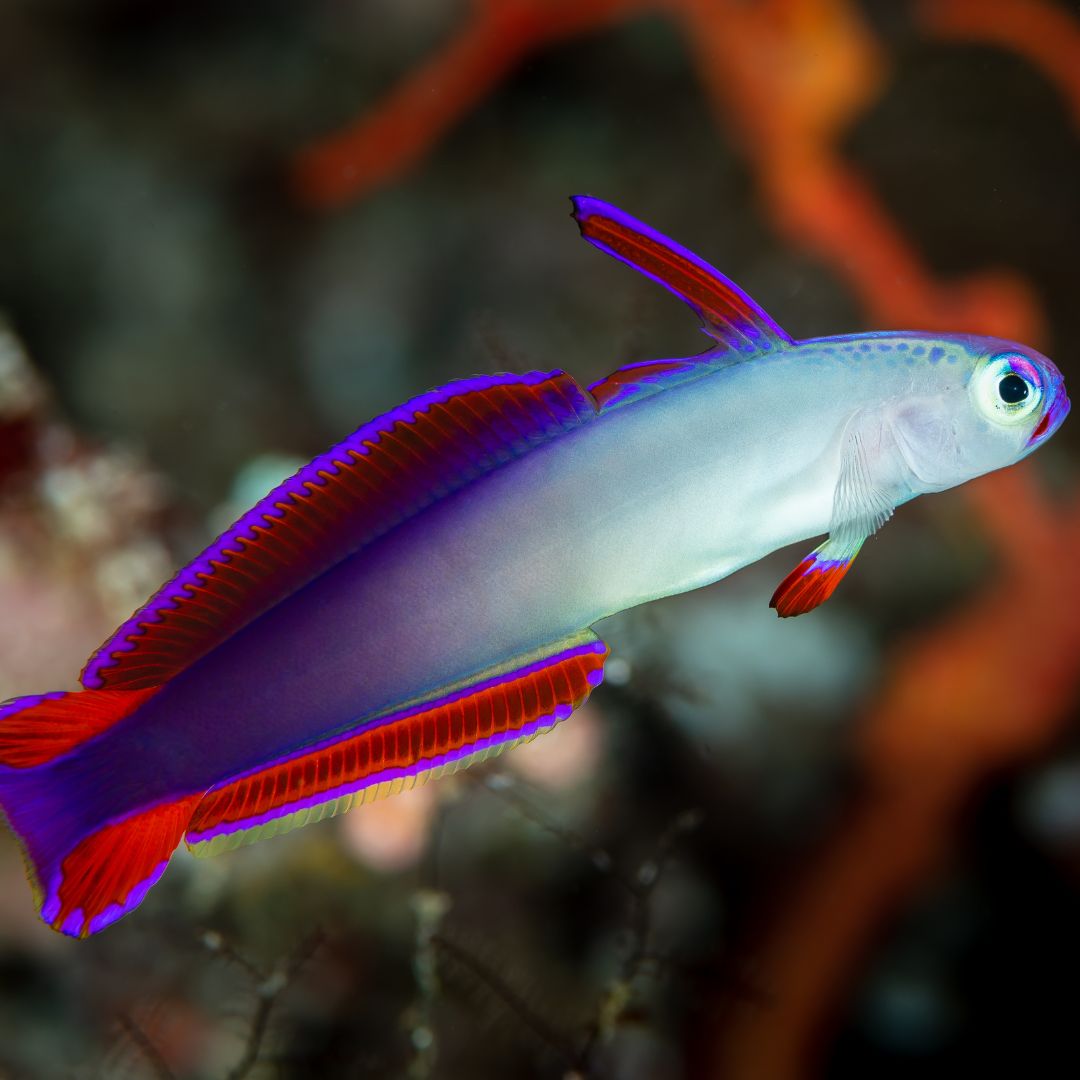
{"x": 1012, "y": 389}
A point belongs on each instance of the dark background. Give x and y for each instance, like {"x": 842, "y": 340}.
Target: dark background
{"x": 843, "y": 846}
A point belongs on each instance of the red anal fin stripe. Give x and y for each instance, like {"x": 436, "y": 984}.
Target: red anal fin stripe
{"x": 110, "y": 871}
{"x": 810, "y": 584}
{"x": 731, "y": 316}
{"x": 399, "y": 749}
{"x": 387, "y": 471}
{"x": 38, "y": 729}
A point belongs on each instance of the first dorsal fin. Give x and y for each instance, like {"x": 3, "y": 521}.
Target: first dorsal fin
{"x": 726, "y": 312}
{"x": 380, "y": 475}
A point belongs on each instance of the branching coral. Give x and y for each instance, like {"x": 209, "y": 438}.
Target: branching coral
{"x": 1042, "y": 32}
{"x": 638, "y": 962}
{"x": 268, "y": 986}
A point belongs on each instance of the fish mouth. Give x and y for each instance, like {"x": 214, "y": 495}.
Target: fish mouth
{"x": 1051, "y": 420}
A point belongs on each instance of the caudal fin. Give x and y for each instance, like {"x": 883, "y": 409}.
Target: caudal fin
{"x": 86, "y": 868}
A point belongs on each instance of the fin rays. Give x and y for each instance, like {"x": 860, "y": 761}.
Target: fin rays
{"x": 385, "y": 472}
{"x": 110, "y": 871}
{"x": 727, "y": 313}
{"x": 398, "y": 751}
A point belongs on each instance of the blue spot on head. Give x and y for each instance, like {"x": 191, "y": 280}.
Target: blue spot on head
{"x": 902, "y": 346}
{"x": 864, "y": 347}
{"x": 884, "y": 346}
{"x": 936, "y": 353}
{"x": 918, "y": 350}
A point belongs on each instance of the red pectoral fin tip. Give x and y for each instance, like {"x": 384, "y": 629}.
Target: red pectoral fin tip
{"x": 811, "y": 583}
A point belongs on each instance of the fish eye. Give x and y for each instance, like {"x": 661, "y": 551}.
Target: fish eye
{"x": 1007, "y": 388}
{"x": 1012, "y": 389}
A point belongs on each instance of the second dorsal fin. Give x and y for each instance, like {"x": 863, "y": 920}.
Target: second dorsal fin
{"x": 726, "y": 312}
{"x": 382, "y": 474}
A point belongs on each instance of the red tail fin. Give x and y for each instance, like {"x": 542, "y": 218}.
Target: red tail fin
{"x": 87, "y": 865}
{"x": 110, "y": 871}
{"x": 37, "y": 729}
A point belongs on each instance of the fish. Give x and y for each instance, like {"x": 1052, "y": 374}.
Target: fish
{"x": 425, "y": 594}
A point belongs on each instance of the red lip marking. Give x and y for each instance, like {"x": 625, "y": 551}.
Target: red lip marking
{"x": 1040, "y": 430}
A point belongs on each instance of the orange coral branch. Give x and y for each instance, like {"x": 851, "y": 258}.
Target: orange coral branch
{"x": 787, "y": 74}
{"x": 382, "y": 145}
{"x": 1043, "y": 33}
{"x": 792, "y": 75}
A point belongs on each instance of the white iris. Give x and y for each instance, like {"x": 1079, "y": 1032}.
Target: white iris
{"x": 991, "y": 396}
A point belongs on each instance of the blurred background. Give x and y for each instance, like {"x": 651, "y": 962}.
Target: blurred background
{"x": 840, "y": 846}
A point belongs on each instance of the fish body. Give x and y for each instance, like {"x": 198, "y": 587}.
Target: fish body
{"x": 422, "y": 595}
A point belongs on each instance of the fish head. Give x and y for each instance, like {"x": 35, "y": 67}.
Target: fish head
{"x": 992, "y": 404}
{"x": 1017, "y": 401}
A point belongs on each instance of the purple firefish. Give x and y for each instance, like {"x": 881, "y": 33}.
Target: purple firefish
{"x": 421, "y": 596}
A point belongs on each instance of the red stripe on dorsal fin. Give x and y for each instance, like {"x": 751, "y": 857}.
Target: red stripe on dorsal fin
{"x": 384, "y": 473}
{"x": 396, "y": 751}
{"x": 37, "y": 729}
{"x": 727, "y": 313}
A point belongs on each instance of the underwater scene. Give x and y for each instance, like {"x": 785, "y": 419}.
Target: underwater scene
{"x": 615, "y": 691}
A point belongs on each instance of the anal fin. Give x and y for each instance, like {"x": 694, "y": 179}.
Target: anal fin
{"x": 387, "y": 754}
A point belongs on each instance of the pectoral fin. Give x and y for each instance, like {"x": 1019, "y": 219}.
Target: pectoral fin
{"x": 860, "y": 507}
